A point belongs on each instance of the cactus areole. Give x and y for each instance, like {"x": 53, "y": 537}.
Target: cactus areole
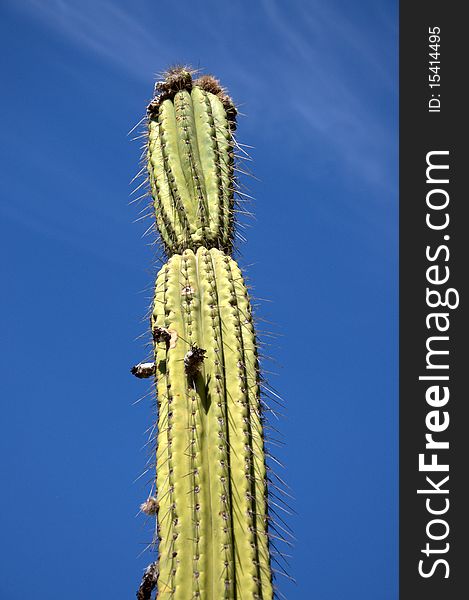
{"x": 211, "y": 498}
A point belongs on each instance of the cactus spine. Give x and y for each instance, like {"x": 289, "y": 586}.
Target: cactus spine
{"x": 210, "y": 462}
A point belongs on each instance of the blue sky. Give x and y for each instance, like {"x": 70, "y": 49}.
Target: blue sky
{"x": 317, "y": 83}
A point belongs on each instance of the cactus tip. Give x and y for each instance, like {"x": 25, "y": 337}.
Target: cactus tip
{"x": 175, "y": 79}
{"x": 180, "y": 77}
{"x": 210, "y": 84}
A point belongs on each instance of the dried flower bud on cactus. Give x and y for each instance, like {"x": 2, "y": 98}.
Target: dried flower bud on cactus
{"x": 143, "y": 370}
{"x": 150, "y": 506}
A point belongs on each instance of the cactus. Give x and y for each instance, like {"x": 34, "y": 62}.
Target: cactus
{"x": 190, "y": 162}
{"x": 211, "y": 501}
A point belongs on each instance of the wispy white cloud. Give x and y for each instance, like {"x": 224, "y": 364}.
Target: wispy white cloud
{"x": 323, "y": 48}
{"x": 324, "y": 61}
{"x": 103, "y": 28}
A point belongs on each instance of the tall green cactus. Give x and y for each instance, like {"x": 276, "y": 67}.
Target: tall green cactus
{"x": 211, "y": 500}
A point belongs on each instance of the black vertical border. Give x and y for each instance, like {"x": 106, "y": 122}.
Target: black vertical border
{"x": 420, "y": 133}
